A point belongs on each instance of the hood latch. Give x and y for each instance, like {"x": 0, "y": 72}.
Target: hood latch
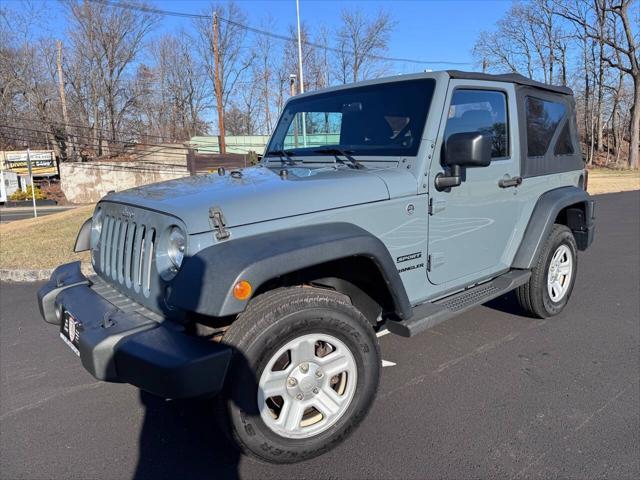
{"x": 219, "y": 223}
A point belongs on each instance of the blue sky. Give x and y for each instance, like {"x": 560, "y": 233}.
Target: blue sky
{"x": 425, "y": 29}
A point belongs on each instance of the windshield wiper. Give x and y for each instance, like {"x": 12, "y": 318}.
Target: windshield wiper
{"x": 352, "y": 162}
{"x": 282, "y": 154}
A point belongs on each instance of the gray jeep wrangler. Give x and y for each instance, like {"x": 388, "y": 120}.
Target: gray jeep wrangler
{"x": 395, "y": 203}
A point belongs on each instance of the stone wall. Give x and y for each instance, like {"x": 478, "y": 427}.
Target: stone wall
{"x": 87, "y": 182}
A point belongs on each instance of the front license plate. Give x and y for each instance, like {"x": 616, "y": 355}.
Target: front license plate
{"x": 70, "y": 332}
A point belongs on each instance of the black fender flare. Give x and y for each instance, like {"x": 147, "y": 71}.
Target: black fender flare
{"x": 544, "y": 215}
{"x": 204, "y": 283}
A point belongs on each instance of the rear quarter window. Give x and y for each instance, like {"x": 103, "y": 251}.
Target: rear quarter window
{"x": 564, "y": 144}
{"x": 543, "y": 119}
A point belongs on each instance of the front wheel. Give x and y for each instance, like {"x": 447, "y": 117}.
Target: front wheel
{"x": 305, "y": 373}
{"x": 552, "y": 278}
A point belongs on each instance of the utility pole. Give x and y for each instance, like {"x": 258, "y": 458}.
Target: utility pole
{"x": 218, "y": 86}
{"x": 301, "y": 76}
{"x": 63, "y": 100}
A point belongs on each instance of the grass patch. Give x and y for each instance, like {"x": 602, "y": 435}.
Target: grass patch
{"x": 605, "y": 180}
{"x": 45, "y": 242}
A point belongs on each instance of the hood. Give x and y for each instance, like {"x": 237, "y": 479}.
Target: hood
{"x": 259, "y": 195}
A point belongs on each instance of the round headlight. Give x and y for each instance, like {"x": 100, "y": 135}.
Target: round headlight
{"x": 96, "y": 227}
{"x": 176, "y": 246}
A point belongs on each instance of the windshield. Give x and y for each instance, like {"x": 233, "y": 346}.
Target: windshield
{"x": 385, "y": 119}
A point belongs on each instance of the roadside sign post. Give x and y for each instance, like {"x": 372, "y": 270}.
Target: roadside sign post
{"x": 33, "y": 188}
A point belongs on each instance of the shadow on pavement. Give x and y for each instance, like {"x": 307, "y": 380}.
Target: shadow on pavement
{"x": 184, "y": 438}
{"x": 181, "y": 439}
{"x": 507, "y": 303}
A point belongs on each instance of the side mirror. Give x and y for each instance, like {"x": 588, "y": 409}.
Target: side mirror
{"x": 468, "y": 149}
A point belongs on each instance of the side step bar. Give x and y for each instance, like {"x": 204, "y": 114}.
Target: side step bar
{"x": 430, "y": 314}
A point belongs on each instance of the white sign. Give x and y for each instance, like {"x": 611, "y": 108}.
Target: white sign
{"x": 42, "y": 162}
{"x": 35, "y": 157}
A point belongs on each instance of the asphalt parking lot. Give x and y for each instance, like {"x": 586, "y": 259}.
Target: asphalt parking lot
{"x": 490, "y": 394}
{"x": 10, "y": 214}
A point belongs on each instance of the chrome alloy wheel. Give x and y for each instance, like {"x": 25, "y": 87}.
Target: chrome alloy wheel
{"x": 560, "y": 272}
{"x": 307, "y": 386}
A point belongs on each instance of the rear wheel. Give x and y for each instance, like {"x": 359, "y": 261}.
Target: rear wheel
{"x": 304, "y": 375}
{"x": 552, "y": 278}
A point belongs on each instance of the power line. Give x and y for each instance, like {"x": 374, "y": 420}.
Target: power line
{"x": 56, "y": 123}
{"x": 166, "y": 147}
{"x": 32, "y": 135}
{"x": 187, "y": 143}
{"x": 106, "y": 165}
{"x": 119, "y": 132}
{"x": 89, "y": 142}
{"x": 115, "y": 165}
{"x": 158, "y": 11}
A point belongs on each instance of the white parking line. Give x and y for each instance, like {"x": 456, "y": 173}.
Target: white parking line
{"x": 385, "y": 363}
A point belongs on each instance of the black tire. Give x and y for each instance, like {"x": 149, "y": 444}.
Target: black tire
{"x": 269, "y": 322}
{"x": 534, "y": 296}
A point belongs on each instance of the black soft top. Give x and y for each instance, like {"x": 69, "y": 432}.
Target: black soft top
{"x": 509, "y": 78}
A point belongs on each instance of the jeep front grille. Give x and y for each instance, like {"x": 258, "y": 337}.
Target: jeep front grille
{"x": 126, "y": 252}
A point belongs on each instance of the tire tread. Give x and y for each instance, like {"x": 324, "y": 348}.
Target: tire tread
{"x": 264, "y": 311}
{"x": 530, "y": 295}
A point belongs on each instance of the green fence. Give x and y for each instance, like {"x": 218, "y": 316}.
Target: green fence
{"x": 243, "y": 144}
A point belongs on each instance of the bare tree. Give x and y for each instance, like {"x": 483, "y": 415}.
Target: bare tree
{"x": 179, "y": 90}
{"x": 616, "y": 15}
{"x": 527, "y": 40}
{"x": 539, "y": 37}
{"x": 263, "y": 73}
{"x": 491, "y": 53}
{"x": 234, "y": 59}
{"x": 113, "y": 39}
{"x": 28, "y": 81}
{"x": 360, "y": 41}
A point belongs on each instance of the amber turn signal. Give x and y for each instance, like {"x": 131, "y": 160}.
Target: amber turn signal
{"x": 242, "y": 290}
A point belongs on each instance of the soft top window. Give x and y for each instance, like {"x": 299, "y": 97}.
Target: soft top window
{"x": 384, "y": 119}
{"x": 564, "y": 145}
{"x": 543, "y": 118}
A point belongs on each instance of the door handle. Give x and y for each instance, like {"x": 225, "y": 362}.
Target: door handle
{"x": 509, "y": 182}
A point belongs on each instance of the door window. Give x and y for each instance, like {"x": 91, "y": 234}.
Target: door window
{"x": 483, "y": 111}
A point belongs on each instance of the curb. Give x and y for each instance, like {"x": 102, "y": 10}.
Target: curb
{"x": 19, "y": 275}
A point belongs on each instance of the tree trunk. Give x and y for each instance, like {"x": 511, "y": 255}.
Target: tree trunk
{"x": 586, "y": 93}
{"x": 600, "y": 97}
{"x": 564, "y": 66}
{"x": 606, "y": 160}
{"x": 615, "y": 117}
{"x": 634, "y": 144}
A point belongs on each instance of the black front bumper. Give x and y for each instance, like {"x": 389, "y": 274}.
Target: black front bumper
{"x": 127, "y": 346}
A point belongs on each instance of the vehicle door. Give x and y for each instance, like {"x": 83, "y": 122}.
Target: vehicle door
{"x": 472, "y": 225}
